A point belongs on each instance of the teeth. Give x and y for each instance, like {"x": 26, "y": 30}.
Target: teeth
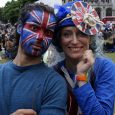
{"x": 75, "y": 49}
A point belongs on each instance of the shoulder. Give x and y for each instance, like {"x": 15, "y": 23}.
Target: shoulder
{"x": 4, "y": 65}
{"x": 58, "y": 78}
{"x": 52, "y": 75}
{"x": 104, "y": 62}
{"x": 55, "y": 82}
{"x": 104, "y": 68}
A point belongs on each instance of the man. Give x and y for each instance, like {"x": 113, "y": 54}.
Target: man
{"x": 27, "y": 85}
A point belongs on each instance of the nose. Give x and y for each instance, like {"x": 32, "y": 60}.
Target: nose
{"x": 75, "y": 39}
{"x": 41, "y": 35}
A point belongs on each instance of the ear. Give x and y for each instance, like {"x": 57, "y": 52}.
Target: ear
{"x": 19, "y": 28}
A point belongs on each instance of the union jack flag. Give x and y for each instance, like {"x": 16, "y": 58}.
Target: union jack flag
{"x": 78, "y": 10}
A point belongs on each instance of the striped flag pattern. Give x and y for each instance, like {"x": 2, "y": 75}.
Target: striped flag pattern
{"x": 78, "y": 10}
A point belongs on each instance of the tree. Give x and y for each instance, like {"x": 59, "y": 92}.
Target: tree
{"x": 1, "y": 14}
{"x": 11, "y": 10}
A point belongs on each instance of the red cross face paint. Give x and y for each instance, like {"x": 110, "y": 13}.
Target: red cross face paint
{"x": 37, "y": 33}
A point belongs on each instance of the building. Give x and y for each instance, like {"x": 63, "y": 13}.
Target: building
{"x": 103, "y": 7}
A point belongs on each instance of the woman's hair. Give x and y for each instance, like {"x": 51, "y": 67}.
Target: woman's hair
{"x": 96, "y": 44}
{"x": 56, "y": 39}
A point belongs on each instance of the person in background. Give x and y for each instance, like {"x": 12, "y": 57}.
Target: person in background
{"x": 89, "y": 74}
{"x": 111, "y": 26}
{"x": 27, "y": 85}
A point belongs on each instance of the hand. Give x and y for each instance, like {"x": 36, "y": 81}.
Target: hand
{"x": 86, "y": 62}
{"x": 24, "y": 112}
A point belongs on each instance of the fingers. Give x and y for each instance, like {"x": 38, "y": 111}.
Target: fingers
{"x": 86, "y": 62}
{"x": 88, "y": 57}
{"x": 24, "y": 112}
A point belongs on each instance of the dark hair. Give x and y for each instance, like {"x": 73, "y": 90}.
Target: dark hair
{"x": 24, "y": 12}
{"x": 56, "y": 39}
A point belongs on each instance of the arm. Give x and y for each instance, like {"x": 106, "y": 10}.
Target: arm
{"x": 100, "y": 100}
{"x": 54, "y": 97}
{"x": 24, "y": 112}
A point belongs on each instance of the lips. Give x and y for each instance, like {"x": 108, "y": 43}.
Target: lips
{"x": 76, "y": 48}
{"x": 37, "y": 47}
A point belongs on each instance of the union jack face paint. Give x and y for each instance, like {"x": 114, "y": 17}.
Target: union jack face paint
{"x": 38, "y": 31}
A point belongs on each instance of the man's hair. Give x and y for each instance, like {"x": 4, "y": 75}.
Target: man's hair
{"x": 24, "y": 12}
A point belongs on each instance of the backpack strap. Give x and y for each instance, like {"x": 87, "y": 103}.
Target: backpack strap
{"x": 59, "y": 70}
{"x": 72, "y": 106}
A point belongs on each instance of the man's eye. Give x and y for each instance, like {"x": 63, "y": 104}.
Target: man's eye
{"x": 49, "y": 33}
{"x": 34, "y": 28}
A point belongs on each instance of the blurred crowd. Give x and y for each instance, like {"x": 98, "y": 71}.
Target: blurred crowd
{"x": 8, "y": 47}
{"x": 109, "y": 37}
{"x": 9, "y": 39}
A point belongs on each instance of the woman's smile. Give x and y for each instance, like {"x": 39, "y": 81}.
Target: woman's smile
{"x": 76, "y": 49}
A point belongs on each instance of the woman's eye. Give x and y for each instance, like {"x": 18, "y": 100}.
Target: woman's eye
{"x": 66, "y": 34}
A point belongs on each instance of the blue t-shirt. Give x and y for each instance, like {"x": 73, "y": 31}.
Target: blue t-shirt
{"x": 34, "y": 87}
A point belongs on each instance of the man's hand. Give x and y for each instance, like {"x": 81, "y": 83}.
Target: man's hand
{"x": 24, "y": 112}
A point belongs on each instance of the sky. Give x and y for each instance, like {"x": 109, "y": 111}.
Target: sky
{"x": 50, "y": 2}
{"x": 3, "y": 2}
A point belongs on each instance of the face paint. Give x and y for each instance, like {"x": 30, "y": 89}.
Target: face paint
{"x": 37, "y": 33}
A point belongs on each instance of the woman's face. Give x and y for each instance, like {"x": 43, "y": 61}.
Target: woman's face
{"x": 74, "y": 42}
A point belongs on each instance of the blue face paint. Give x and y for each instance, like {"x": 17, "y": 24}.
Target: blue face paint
{"x": 37, "y": 32}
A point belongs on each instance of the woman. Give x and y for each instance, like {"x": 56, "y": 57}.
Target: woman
{"x": 90, "y": 76}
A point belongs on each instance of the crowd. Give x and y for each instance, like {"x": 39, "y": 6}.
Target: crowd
{"x": 8, "y": 41}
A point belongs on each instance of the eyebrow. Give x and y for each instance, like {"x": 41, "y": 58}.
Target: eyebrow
{"x": 66, "y": 30}
{"x": 33, "y": 23}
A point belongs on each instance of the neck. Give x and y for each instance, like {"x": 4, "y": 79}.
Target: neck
{"x": 71, "y": 65}
{"x": 23, "y": 59}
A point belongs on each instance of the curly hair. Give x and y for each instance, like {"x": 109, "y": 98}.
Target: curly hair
{"x": 24, "y": 12}
{"x": 97, "y": 45}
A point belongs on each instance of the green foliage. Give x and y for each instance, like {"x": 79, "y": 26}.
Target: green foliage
{"x": 111, "y": 55}
{"x": 10, "y": 12}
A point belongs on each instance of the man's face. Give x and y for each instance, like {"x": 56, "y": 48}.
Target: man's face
{"x": 37, "y": 32}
